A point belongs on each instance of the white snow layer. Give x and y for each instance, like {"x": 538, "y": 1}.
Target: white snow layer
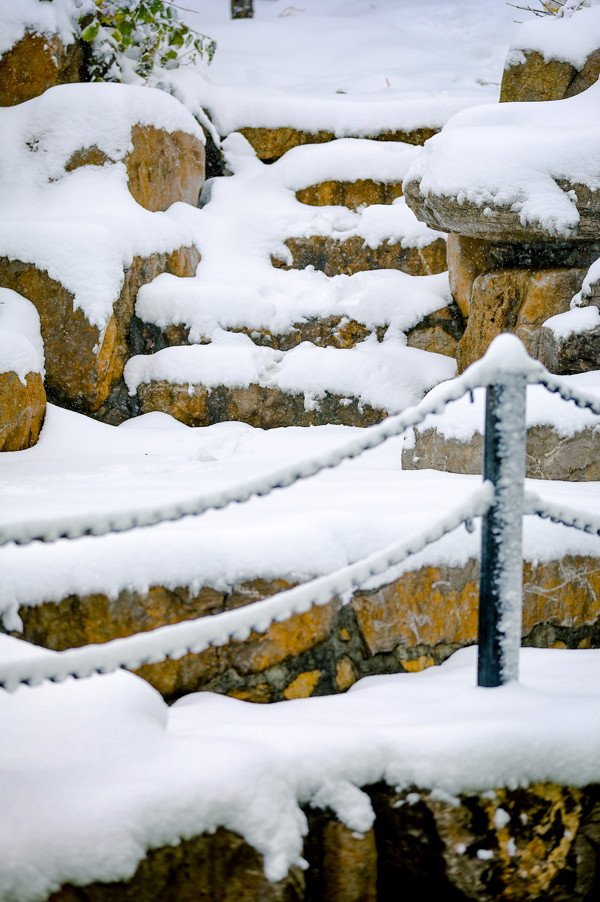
{"x": 83, "y": 227}
{"x": 570, "y": 38}
{"x": 21, "y": 345}
{"x": 465, "y": 417}
{"x": 97, "y": 771}
{"x": 248, "y": 216}
{"x": 353, "y": 68}
{"x": 386, "y": 374}
{"x": 56, "y": 18}
{"x": 512, "y": 154}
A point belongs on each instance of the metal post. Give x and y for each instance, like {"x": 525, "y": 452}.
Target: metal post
{"x": 501, "y": 582}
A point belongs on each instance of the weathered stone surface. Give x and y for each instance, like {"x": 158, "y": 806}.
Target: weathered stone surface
{"x": 80, "y": 374}
{"x": 439, "y": 332}
{"x": 22, "y": 409}
{"x": 219, "y": 867}
{"x": 260, "y": 406}
{"x": 412, "y": 623}
{"x": 521, "y": 844}
{"x": 272, "y": 143}
{"x": 467, "y": 259}
{"x": 342, "y": 863}
{"x": 574, "y": 458}
{"x": 38, "y": 62}
{"x": 538, "y": 79}
{"x": 518, "y": 301}
{"x": 436, "y": 607}
{"x": 350, "y": 194}
{"x": 162, "y": 168}
{"x": 500, "y": 223}
{"x": 352, "y": 255}
{"x": 576, "y": 353}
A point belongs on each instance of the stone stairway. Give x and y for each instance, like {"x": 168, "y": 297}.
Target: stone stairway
{"x": 342, "y": 283}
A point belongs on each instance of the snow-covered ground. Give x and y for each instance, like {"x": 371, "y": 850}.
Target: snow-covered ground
{"x": 94, "y": 772}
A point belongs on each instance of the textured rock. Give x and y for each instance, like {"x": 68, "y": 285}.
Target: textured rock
{"x": 573, "y": 458}
{"x": 410, "y": 624}
{"x": 162, "y": 168}
{"x": 38, "y": 62}
{"x": 22, "y": 409}
{"x": 436, "y": 607}
{"x": 576, "y": 353}
{"x": 272, "y": 143}
{"x": 439, "y": 332}
{"x": 350, "y": 194}
{"x": 342, "y": 863}
{"x": 500, "y": 223}
{"x": 538, "y": 79}
{"x": 352, "y": 255}
{"x": 518, "y": 301}
{"x": 467, "y": 258}
{"x": 260, "y": 406}
{"x": 520, "y": 844}
{"x": 219, "y": 867}
{"x": 80, "y": 374}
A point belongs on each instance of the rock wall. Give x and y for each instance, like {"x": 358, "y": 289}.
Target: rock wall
{"x": 521, "y": 845}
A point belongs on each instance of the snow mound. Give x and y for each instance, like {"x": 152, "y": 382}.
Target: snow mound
{"x": 21, "y": 345}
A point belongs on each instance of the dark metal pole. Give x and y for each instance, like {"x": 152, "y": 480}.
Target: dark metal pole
{"x": 501, "y": 582}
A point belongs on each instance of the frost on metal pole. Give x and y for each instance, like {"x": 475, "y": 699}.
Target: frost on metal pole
{"x": 501, "y": 583}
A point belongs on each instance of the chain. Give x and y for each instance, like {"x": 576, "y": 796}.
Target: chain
{"x": 193, "y": 636}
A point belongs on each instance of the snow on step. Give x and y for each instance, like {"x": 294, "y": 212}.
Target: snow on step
{"x": 243, "y": 226}
{"x": 563, "y": 441}
{"x": 383, "y": 376}
{"x": 65, "y": 823}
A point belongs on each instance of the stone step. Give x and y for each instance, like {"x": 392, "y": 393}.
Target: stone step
{"x": 411, "y": 622}
{"x": 338, "y": 312}
{"x": 335, "y": 256}
{"x": 563, "y": 441}
{"x": 535, "y": 839}
{"x": 233, "y": 379}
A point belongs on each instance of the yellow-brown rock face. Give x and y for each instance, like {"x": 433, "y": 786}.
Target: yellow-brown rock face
{"x": 518, "y": 301}
{"x": 35, "y": 63}
{"x": 163, "y": 167}
{"x": 350, "y": 194}
{"x": 538, "y": 79}
{"x": 22, "y": 409}
{"x": 272, "y": 143}
{"x": 352, "y": 255}
{"x": 260, "y": 406}
{"x": 81, "y": 365}
{"x": 467, "y": 258}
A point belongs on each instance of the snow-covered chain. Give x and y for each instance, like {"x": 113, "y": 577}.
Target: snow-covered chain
{"x": 567, "y": 516}
{"x": 193, "y": 636}
{"x": 506, "y": 354}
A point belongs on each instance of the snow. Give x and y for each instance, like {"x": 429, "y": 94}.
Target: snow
{"x": 353, "y": 68}
{"x": 511, "y": 155}
{"x": 581, "y": 319}
{"x": 21, "y": 345}
{"x": 116, "y": 771}
{"x": 54, "y": 18}
{"x": 385, "y": 375}
{"x": 249, "y": 216}
{"x": 83, "y": 227}
{"x": 465, "y": 417}
{"x": 95, "y": 772}
{"x": 571, "y": 38}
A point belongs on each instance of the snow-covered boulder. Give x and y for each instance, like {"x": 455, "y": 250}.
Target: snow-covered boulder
{"x": 513, "y": 172}
{"x": 22, "y": 394}
{"x": 80, "y": 169}
{"x": 552, "y": 57}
